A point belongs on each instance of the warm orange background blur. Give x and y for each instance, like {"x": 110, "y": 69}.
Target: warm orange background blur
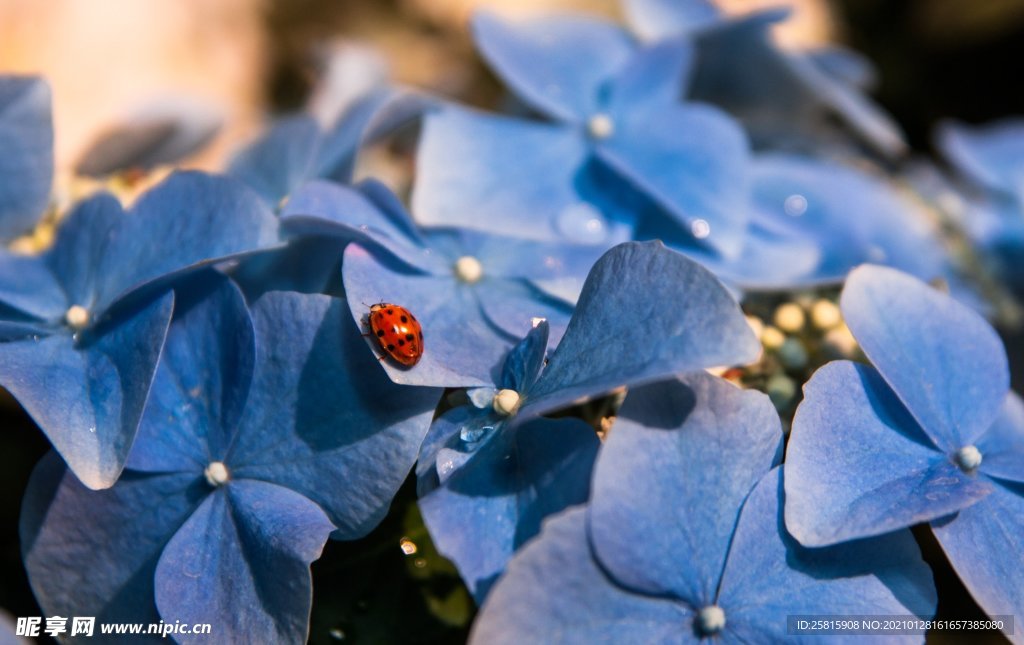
{"x": 104, "y": 57}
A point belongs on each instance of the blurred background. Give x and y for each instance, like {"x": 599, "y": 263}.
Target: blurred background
{"x": 240, "y": 62}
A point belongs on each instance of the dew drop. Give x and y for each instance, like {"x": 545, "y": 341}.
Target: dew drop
{"x": 795, "y": 205}
{"x": 581, "y": 222}
{"x": 472, "y": 434}
{"x": 445, "y": 468}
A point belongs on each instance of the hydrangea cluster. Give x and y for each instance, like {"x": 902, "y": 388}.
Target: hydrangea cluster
{"x": 656, "y": 226}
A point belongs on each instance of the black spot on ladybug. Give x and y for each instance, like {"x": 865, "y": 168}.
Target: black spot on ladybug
{"x": 391, "y": 312}
{"x": 410, "y": 337}
{"x": 401, "y": 342}
{"x": 404, "y": 319}
{"x": 391, "y": 348}
{"x": 380, "y": 333}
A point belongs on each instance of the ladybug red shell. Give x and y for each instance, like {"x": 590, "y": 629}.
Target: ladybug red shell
{"x": 397, "y": 332}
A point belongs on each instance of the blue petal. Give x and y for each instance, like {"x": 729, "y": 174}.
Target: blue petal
{"x": 496, "y": 501}
{"x": 443, "y": 451}
{"x": 340, "y": 143}
{"x": 858, "y": 465}
{"x": 653, "y": 77}
{"x": 852, "y": 216}
{"x": 772, "y": 258}
{"x": 326, "y": 208}
{"x": 673, "y": 474}
{"x": 557, "y": 64}
{"x": 281, "y": 160}
{"x": 94, "y": 553}
{"x": 202, "y": 382}
{"x": 845, "y": 65}
{"x": 1002, "y": 445}
{"x": 88, "y": 395}
{"x": 190, "y": 220}
{"x": 501, "y": 175}
{"x": 559, "y": 268}
{"x": 991, "y": 155}
{"x": 698, "y": 174}
{"x": 7, "y": 627}
{"x": 82, "y": 244}
{"x": 321, "y": 418}
{"x": 946, "y": 364}
{"x": 241, "y": 564}
{"x": 554, "y": 592}
{"x": 774, "y": 91}
{"x": 525, "y": 360}
{"x": 985, "y": 544}
{"x": 26, "y": 167}
{"x": 460, "y": 347}
{"x": 657, "y": 19}
{"x": 28, "y": 287}
{"x": 638, "y": 292}
{"x": 513, "y": 306}
{"x": 305, "y": 264}
{"x": 768, "y": 576}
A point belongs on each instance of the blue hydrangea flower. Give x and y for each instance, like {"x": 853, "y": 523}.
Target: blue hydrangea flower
{"x": 473, "y": 293}
{"x": 297, "y": 149}
{"x": 81, "y": 326}
{"x": 489, "y": 473}
{"x": 26, "y": 166}
{"x": 990, "y": 207}
{"x": 266, "y": 432}
{"x": 931, "y": 433}
{"x": 613, "y": 111}
{"x": 683, "y": 539}
{"x": 784, "y": 98}
{"x": 850, "y": 215}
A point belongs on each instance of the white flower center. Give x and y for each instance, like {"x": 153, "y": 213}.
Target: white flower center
{"x": 468, "y": 269}
{"x": 506, "y": 402}
{"x": 601, "y": 126}
{"x": 217, "y": 474}
{"x": 77, "y": 317}
{"x": 968, "y": 458}
{"x": 711, "y": 620}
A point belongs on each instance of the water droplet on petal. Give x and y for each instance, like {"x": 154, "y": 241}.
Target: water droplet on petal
{"x": 582, "y": 223}
{"x": 795, "y": 205}
{"x": 471, "y": 434}
{"x": 445, "y": 468}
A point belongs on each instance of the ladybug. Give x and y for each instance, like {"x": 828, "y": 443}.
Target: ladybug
{"x": 397, "y": 332}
